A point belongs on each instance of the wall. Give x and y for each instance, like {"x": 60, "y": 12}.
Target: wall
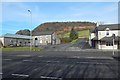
{"x": 42, "y": 40}
{"x": 91, "y": 36}
{"x": 102, "y": 34}
{"x": 2, "y": 40}
{"x": 102, "y": 45}
{"x": 55, "y": 39}
{"x": 18, "y": 42}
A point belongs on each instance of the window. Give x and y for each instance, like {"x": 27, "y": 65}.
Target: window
{"x": 40, "y": 41}
{"x": 107, "y": 31}
{"x": 35, "y": 38}
{"x": 109, "y": 43}
{"x": 11, "y": 42}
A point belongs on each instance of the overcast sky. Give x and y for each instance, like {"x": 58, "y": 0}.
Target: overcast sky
{"x": 15, "y": 15}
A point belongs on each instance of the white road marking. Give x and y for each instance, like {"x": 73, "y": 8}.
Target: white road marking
{"x": 92, "y": 57}
{"x": 92, "y": 63}
{"x": 82, "y": 62}
{"x": 40, "y": 56}
{"x": 24, "y": 55}
{"x": 52, "y": 61}
{"x": 27, "y": 60}
{"x": 22, "y": 75}
{"x": 101, "y": 57}
{"x": 50, "y": 77}
{"x": 7, "y": 59}
{"x": 1, "y": 73}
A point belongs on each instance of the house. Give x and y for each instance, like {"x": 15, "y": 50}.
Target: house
{"x": 45, "y": 38}
{"x": 105, "y": 37}
{"x": 14, "y": 40}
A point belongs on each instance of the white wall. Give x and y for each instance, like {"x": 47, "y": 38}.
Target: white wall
{"x": 102, "y": 34}
{"x": 91, "y": 36}
{"x": 7, "y": 41}
{"x": 103, "y": 46}
{"x": 2, "y": 40}
{"x": 55, "y": 37}
{"x": 41, "y": 40}
{"x": 46, "y": 39}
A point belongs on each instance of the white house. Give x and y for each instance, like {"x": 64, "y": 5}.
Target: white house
{"x": 14, "y": 40}
{"x": 45, "y": 38}
{"x": 103, "y": 35}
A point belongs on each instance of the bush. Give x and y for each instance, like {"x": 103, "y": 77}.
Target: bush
{"x": 73, "y": 34}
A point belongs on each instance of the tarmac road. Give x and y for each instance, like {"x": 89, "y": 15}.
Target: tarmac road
{"x": 59, "y": 64}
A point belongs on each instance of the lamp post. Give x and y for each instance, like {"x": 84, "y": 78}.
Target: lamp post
{"x": 30, "y": 29}
{"x": 113, "y": 43}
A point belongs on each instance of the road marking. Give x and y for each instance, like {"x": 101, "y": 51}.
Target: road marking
{"x": 27, "y": 60}
{"x": 50, "y": 77}
{"x": 24, "y": 55}
{"x": 1, "y": 73}
{"x": 22, "y": 75}
{"x": 93, "y": 57}
{"x": 7, "y": 59}
{"x": 83, "y": 62}
{"x": 52, "y": 61}
{"x": 91, "y": 63}
{"x": 100, "y": 57}
{"x": 40, "y": 56}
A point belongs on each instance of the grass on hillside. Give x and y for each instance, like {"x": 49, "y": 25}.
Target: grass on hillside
{"x": 81, "y": 33}
{"x": 21, "y": 49}
{"x": 73, "y": 41}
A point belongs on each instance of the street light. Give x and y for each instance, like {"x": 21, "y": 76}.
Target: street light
{"x": 30, "y": 29}
{"x": 113, "y": 42}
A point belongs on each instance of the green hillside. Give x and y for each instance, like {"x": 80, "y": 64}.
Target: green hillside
{"x": 81, "y": 33}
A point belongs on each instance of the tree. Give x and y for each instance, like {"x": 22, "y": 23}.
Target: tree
{"x": 24, "y": 32}
{"x": 73, "y": 34}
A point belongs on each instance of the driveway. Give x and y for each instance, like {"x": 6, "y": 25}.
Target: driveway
{"x": 81, "y": 43}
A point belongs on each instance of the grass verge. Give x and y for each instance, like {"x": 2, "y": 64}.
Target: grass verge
{"x": 21, "y": 49}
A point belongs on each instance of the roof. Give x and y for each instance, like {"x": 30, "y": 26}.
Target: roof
{"x": 92, "y": 30}
{"x": 110, "y": 26}
{"x": 42, "y": 33}
{"x": 117, "y": 38}
{"x": 15, "y": 36}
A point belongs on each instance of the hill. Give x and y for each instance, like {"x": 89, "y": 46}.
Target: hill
{"x": 23, "y": 32}
{"x": 60, "y": 27}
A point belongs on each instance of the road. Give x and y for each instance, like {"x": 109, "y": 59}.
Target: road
{"x": 59, "y": 64}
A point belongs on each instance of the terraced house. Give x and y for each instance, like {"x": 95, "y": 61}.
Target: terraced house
{"x": 14, "y": 40}
{"x": 105, "y": 37}
{"x": 45, "y": 38}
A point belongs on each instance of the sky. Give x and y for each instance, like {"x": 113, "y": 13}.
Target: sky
{"x": 15, "y": 15}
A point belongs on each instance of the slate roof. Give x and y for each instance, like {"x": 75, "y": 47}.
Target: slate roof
{"x": 117, "y": 38}
{"x": 15, "y": 36}
{"x": 92, "y": 30}
{"x": 103, "y": 27}
{"x": 42, "y": 33}
{"x": 110, "y": 26}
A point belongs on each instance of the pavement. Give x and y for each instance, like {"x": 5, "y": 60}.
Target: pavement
{"x": 59, "y": 64}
